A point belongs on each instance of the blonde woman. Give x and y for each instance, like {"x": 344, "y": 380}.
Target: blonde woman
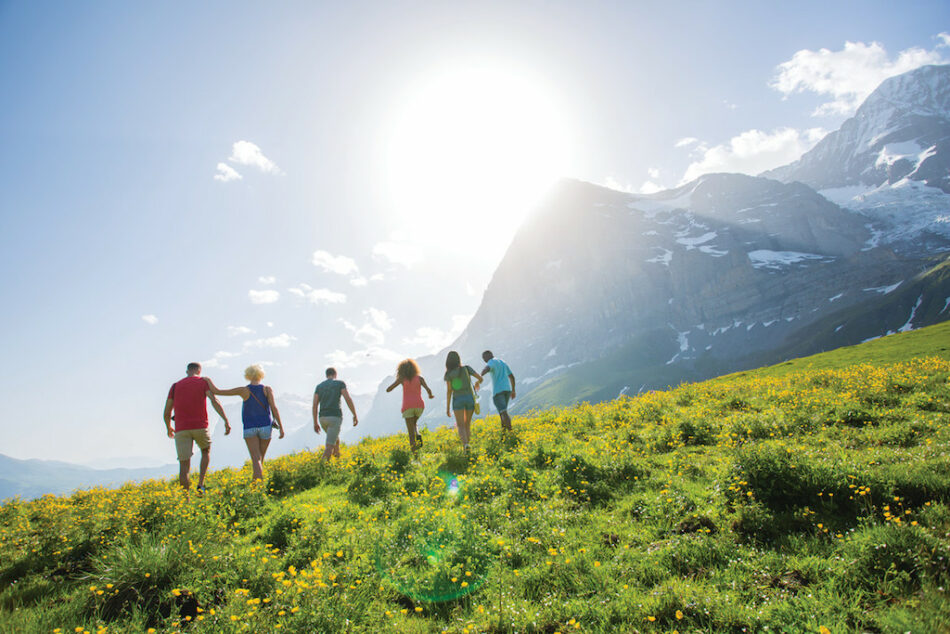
{"x": 407, "y": 375}
{"x": 256, "y": 414}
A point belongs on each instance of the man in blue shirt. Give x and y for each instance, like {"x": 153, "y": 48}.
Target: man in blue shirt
{"x": 502, "y": 385}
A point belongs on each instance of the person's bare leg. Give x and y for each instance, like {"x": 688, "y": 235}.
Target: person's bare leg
{"x": 336, "y": 449}
{"x": 203, "y": 466}
{"x": 327, "y": 452}
{"x": 411, "y": 428}
{"x": 184, "y": 466}
{"x": 254, "y": 448}
{"x": 265, "y": 443}
{"x": 460, "y": 426}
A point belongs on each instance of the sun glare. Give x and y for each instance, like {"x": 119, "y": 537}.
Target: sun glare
{"x": 471, "y": 149}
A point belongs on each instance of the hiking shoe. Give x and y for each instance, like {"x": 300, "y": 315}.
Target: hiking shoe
{"x": 201, "y": 488}
{"x": 418, "y": 440}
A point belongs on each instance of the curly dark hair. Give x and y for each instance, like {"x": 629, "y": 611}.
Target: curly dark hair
{"x": 407, "y": 369}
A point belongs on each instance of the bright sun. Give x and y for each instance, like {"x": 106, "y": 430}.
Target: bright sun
{"x": 471, "y": 149}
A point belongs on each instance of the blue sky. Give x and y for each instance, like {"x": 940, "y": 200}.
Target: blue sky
{"x": 368, "y": 217}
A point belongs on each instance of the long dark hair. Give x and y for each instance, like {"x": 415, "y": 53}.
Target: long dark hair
{"x": 452, "y": 361}
{"x": 407, "y": 369}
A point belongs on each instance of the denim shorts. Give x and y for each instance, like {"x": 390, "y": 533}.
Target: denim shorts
{"x": 463, "y": 401}
{"x": 258, "y": 432}
{"x": 501, "y": 401}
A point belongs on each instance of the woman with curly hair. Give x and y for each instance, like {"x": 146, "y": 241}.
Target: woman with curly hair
{"x": 407, "y": 375}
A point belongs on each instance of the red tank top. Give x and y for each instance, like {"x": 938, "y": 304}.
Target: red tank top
{"x": 412, "y": 393}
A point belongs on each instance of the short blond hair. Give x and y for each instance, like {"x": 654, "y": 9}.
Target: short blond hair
{"x": 254, "y": 373}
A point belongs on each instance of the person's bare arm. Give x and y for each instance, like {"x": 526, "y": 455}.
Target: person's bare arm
{"x": 393, "y": 386}
{"x": 422, "y": 382}
{"x": 478, "y": 377}
{"x": 511, "y": 378}
{"x": 273, "y": 408}
{"x": 168, "y": 417}
{"x": 316, "y": 422}
{"x": 217, "y": 407}
{"x": 486, "y": 370}
{"x": 448, "y": 399}
{"x": 349, "y": 403}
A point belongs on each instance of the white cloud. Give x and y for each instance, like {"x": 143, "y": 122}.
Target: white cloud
{"x": 371, "y": 333}
{"x": 233, "y": 331}
{"x": 247, "y": 153}
{"x": 339, "y": 264}
{"x": 686, "y": 141}
{"x": 653, "y": 172}
{"x": 263, "y": 297}
{"x": 848, "y": 75}
{"x": 359, "y": 281}
{"x": 282, "y": 340}
{"x": 215, "y": 361}
{"x": 944, "y": 40}
{"x": 398, "y": 252}
{"x": 649, "y": 187}
{"x": 617, "y": 185}
{"x": 378, "y": 277}
{"x": 267, "y": 279}
{"x": 317, "y": 295}
{"x": 379, "y": 318}
{"x": 151, "y": 320}
{"x": 754, "y": 151}
{"x": 431, "y": 339}
{"x": 226, "y": 173}
{"x": 372, "y": 355}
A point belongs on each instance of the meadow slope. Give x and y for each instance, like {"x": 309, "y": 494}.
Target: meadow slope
{"x": 812, "y": 496}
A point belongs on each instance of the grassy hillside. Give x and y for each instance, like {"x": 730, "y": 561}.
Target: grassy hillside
{"x": 810, "y": 497}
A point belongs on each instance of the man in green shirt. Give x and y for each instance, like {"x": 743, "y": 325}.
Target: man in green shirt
{"x": 327, "y": 411}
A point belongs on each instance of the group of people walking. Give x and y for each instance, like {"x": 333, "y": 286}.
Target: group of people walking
{"x": 186, "y": 405}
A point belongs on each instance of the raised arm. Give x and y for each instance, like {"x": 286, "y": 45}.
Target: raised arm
{"x": 393, "y": 386}
{"x": 349, "y": 403}
{"x": 273, "y": 408}
{"x": 422, "y": 382}
{"x": 242, "y": 391}
{"x": 168, "y": 417}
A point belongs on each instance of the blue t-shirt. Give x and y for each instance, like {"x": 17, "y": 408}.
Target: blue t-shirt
{"x": 329, "y": 392}
{"x": 256, "y": 411}
{"x": 499, "y": 376}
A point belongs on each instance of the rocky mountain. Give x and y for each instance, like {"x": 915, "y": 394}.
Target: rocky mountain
{"x": 891, "y": 161}
{"x": 604, "y": 293}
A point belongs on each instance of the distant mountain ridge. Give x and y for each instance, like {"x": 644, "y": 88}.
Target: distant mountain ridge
{"x": 34, "y": 478}
{"x": 603, "y": 292}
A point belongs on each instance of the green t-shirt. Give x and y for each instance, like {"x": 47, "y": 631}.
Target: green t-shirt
{"x": 329, "y": 392}
{"x": 461, "y": 384}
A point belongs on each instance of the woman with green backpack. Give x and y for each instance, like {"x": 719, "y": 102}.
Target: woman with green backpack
{"x": 461, "y": 395}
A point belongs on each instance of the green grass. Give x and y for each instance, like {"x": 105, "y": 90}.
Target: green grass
{"x": 814, "y": 494}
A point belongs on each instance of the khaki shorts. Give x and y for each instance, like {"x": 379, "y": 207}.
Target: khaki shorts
{"x": 331, "y": 425}
{"x": 185, "y": 437}
{"x": 412, "y": 412}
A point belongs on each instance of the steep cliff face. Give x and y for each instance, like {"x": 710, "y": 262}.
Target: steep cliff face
{"x": 891, "y": 162}
{"x": 603, "y": 292}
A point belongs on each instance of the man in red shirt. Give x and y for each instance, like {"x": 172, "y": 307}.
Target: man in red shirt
{"x": 187, "y": 399}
